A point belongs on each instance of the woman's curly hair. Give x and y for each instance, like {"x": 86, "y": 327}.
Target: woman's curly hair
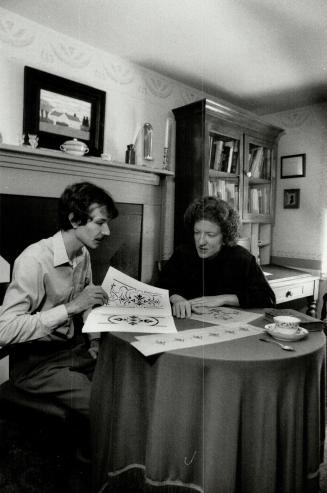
{"x": 217, "y": 211}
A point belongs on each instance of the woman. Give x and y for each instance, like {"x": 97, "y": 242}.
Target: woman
{"x": 213, "y": 270}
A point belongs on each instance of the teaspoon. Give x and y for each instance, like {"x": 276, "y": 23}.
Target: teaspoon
{"x": 283, "y": 346}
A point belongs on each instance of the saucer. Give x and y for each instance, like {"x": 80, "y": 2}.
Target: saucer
{"x": 280, "y": 336}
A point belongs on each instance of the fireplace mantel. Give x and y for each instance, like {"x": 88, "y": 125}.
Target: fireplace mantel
{"x": 48, "y": 160}
{"x": 45, "y": 173}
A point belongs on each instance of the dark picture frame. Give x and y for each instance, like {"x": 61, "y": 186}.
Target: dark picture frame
{"x": 59, "y": 109}
{"x": 292, "y": 166}
{"x": 292, "y": 198}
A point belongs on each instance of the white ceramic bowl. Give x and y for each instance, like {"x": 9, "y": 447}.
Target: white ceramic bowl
{"x": 74, "y": 147}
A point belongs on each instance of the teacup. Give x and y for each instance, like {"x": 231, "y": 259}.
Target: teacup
{"x": 287, "y": 324}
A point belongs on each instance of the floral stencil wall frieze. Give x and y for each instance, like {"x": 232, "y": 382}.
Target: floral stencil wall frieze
{"x": 118, "y": 72}
{"x": 159, "y": 87}
{"x": 47, "y": 56}
{"x": 71, "y": 55}
{"x": 143, "y": 90}
{"x": 296, "y": 118}
{"x": 11, "y": 33}
{"x": 188, "y": 96}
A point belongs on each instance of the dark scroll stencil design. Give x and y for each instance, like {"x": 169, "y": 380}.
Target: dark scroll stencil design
{"x": 121, "y": 294}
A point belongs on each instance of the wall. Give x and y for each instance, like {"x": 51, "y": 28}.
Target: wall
{"x": 134, "y": 95}
{"x": 297, "y": 233}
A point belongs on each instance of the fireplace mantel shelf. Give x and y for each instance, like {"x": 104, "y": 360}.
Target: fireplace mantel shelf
{"x": 46, "y": 173}
{"x": 52, "y": 161}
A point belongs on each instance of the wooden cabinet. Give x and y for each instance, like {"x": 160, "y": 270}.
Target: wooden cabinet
{"x": 292, "y": 284}
{"x": 227, "y": 152}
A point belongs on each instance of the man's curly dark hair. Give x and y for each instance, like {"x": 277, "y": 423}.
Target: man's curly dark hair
{"x": 78, "y": 198}
{"x": 217, "y": 211}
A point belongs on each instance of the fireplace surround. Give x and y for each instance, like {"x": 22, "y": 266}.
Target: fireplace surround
{"x": 31, "y": 180}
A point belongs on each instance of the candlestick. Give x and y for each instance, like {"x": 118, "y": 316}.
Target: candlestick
{"x": 147, "y": 145}
{"x": 167, "y": 133}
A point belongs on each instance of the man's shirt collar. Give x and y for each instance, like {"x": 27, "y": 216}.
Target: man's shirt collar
{"x": 60, "y": 256}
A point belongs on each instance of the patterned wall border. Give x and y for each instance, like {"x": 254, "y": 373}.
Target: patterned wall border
{"x": 20, "y": 33}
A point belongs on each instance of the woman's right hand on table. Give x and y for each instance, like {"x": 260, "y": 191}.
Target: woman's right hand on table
{"x": 180, "y": 306}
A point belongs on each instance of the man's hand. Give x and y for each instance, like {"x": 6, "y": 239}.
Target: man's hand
{"x": 180, "y": 306}
{"x": 89, "y": 297}
{"x": 94, "y": 348}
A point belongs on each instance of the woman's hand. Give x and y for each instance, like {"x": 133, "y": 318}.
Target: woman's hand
{"x": 94, "y": 348}
{"x": 180, "y": 306}
{"x": 205, "y": 303}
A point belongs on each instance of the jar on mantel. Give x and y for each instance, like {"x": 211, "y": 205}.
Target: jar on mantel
{"x": 130, "y": 154}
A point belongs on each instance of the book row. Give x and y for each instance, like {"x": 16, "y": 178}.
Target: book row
{"x": 225, "y": 190}
{"x": 259, "y": 200}
{"x": 223, "y": 154}
{"x": 260, "y": 162}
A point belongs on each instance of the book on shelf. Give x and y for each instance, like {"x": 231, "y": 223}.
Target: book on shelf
{"x": 256, "y": 161}
{"x": 229, "y": 146}
{"x": 219, "y": 146}
{"x": 225, "y": 190}
{"x": 211, "y": 152}
{"x": 310, "y": 323}
{"x": 266, "y": 171}
{"x": 259, "y": 200}
{"x": 226, "y": 157}
{"x": 234, "y": 166}
{"x": 253, "y": 205}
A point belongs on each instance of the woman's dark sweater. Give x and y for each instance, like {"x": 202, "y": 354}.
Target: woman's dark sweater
{"x": 233, "y": 270}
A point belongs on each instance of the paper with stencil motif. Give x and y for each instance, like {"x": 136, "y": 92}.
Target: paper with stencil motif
{"x": 226, "y": 315}
{"x": 133, "y": 306}
{"x": 154, "y": 344}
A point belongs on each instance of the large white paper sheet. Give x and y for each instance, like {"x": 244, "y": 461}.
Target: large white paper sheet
{"x": 152, "y": 344}
{"x": 133, "y": 306}
{"x": 226, "y": 315}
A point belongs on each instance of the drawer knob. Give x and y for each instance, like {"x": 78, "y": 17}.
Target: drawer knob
{"x": 288, "y": 294}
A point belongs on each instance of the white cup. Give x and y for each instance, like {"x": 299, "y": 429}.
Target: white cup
{"x": 287, "y": 324}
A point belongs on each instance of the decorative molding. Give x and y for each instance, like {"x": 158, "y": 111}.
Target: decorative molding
{"x": 11, "y": 33}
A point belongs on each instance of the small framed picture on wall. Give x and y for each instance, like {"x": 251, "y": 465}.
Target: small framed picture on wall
{"x": 292, "y": 166}
{"x": 292, "y": 198}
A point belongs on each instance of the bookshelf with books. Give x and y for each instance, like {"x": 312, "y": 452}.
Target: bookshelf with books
{"x": 259, "y": 180}
{"x": 230, "y": 153}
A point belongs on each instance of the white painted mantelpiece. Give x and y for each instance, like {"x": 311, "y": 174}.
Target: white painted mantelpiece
{"x": 45, "y": 173}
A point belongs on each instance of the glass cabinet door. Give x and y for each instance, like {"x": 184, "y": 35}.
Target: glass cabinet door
{"x": 259, "y": 179}
{"x": 224, "y": 154}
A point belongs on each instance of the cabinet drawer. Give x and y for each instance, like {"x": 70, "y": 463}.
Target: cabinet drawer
{"x": 293, "y": 291}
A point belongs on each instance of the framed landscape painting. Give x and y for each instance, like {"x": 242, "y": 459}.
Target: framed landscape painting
{"x": 58, "y": 109}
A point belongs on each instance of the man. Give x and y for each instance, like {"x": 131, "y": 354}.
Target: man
{"x": 51, "y": 288}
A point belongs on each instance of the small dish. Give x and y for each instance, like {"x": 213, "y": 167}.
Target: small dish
{"x": 301, "y": 333}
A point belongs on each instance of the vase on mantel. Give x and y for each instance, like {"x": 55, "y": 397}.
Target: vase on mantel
{"x": 130, "y": 154}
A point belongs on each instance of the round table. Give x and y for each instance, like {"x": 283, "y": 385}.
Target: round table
{"x": 238, "y": 416}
